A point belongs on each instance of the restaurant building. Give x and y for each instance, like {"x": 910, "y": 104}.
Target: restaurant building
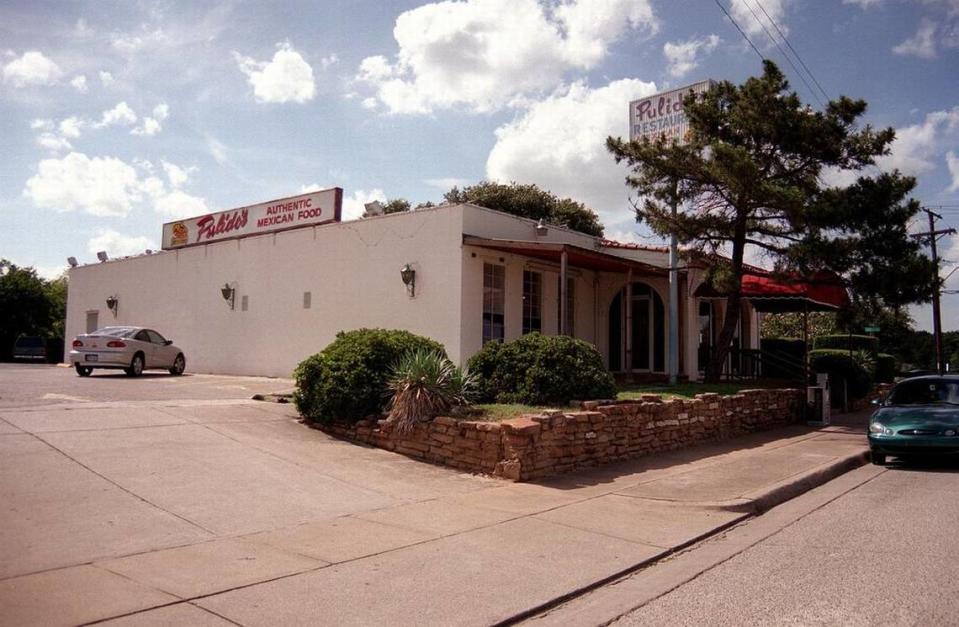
{"x": 255, "y": 290}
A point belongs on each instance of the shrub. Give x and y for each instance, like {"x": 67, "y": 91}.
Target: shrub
{"x": 841, "y": 366}
{"x": 347, "y": 380}
{"x": 426, "y": 384}
{"x": 887, "y": 367}
{"x": 540, "y": 369}
{"x": 847, "y": 342}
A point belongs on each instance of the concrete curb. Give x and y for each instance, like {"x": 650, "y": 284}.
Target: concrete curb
{"x": 749, "y": 506}
{"x": 769, "y": 497}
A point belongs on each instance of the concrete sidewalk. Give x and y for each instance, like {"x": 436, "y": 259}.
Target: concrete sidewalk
{"x": 458, "y": 550}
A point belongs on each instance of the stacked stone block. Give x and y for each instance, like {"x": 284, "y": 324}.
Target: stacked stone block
{"x": 600, "y": 432}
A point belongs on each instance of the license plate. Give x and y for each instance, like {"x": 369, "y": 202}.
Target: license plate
{"x": 91, "y": 357}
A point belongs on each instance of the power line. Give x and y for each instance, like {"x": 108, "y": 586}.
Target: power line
{"x": 801, "y": 62}
{"x": 783, "y": 52}
{"x": 741, "y": 31}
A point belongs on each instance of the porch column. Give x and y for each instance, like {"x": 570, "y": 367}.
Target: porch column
{"x": 628, "y": 335}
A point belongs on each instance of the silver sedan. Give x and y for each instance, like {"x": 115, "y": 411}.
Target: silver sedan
{"x": 132, "y": 349}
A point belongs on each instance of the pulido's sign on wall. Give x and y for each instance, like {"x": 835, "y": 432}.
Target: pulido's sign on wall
{"x": 663, "y": 114}
{"x": 307, "y": 209}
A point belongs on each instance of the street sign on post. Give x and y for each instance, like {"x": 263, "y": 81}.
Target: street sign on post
{"x": 871, "y": 329}
{"x": 664, "y": 115}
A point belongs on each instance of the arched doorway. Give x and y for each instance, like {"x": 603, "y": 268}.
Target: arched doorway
{"x": 647, "y": 329}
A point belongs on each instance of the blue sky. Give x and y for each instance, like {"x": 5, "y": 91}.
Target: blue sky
{"x": 119, "y": 116}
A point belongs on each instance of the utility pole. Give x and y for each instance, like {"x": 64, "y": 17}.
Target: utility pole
{"x": 934, "y": 236}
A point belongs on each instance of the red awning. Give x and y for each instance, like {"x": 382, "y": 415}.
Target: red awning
{"x": 823, "y": 292}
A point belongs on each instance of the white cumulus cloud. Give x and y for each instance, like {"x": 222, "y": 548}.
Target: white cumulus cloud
{"x": 484, "y": 55}
{"x": 106, "y": 78}
{"x": 32, "y": 68}
{"x": 922, "y": 44}
{"x": 108, "y": 186}
{"x": 79, "y": 83}
{"x": 917, "y": 146}
{"x": 683, "y": 57}
{"x": 559, "y": 144}
{"x": 121, "y": 114}
{"x": 286, "y": 78}
{"x": 952, "y": 162}
{"x": 178, "y": 204}
{"x": 353, "y": 204}
{"x": 751, "y": 18}
{"x": 71, "y": 126}
{"x": 118, "y": 244}
{"x": 151, "y": 125}
{"x": 100, "y": 186}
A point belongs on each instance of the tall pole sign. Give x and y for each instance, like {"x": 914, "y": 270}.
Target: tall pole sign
{"x": 663, "y": 115}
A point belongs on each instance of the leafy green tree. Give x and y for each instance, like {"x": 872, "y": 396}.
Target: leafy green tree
{"x": 529, "y": 201}
{"x": 790, "y": 325}
{"x": 56, "y": 291}
{"x": 25, "y": 307}
{"x": 396, "y": 205}
{"x": 750, "y": 175}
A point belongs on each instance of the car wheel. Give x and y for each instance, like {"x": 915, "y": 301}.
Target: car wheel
{"x": 179, "y": 365}
{"x": 136, "y": 366}
{"x": 83, "y": 371}
{"x": 878, "y": 459}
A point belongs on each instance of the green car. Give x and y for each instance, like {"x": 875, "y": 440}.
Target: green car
{"x": 920, "y": 416}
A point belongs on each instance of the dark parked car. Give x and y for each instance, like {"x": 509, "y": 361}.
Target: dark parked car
{"x": 920, "y": 416}
{"x": 30, "y": 348}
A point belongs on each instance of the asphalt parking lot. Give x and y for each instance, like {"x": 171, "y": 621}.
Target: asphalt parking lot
{"x": 28, "y": 385}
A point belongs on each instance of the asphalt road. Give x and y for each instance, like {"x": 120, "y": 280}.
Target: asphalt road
{"x": 30, "y": 385}
{"x": 884, "y": 553}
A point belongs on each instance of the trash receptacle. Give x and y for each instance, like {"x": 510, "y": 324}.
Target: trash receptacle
{"x": 817, "y": 402}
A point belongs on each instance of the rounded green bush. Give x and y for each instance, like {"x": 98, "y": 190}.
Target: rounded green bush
{"x": 868, "y": 343}
{"x": 348, "y": 380}
{"x": 842, "y": 367}
{"x": 541, "y": 369}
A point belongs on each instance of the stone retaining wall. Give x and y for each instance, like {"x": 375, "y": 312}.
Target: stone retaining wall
{"x": 559, "y": 441}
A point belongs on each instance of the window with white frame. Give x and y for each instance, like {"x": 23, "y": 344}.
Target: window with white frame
{"x": 532, "y": 301}
{"x": 494, "y": 297}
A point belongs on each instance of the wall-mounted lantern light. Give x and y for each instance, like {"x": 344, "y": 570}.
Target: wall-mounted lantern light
{"x": 113, "y": 303}
{"x": 408, "y": 274}
{"x": 229, "y": 294}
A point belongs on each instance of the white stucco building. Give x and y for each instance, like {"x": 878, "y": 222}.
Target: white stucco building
{"x": 480, "y": 275}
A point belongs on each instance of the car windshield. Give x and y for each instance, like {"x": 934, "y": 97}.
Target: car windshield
{"x": 925, "y": 392}
{"x": 115, "y": 331}
{"x": 29, "y": 342}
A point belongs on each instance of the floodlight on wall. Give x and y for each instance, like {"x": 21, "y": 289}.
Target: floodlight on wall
{"x": 102, "y": 255}
{"x": 113, "y": 304}
{"x": 374, "y": 208}
{"x": 229, "y": 294}
{"x": 541, "y": 228}
{"x": 408, "y": 274}
{"x": 72, "y": 261}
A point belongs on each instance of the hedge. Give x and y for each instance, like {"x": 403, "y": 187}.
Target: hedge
{"x": 840, "y": 366}
{"x": 541, "y": 369}
{"x": 347, "y": 380}
{"x": 868, "y": 343}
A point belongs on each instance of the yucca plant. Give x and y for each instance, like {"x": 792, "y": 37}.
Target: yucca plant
{"x": 424, "y": 385}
